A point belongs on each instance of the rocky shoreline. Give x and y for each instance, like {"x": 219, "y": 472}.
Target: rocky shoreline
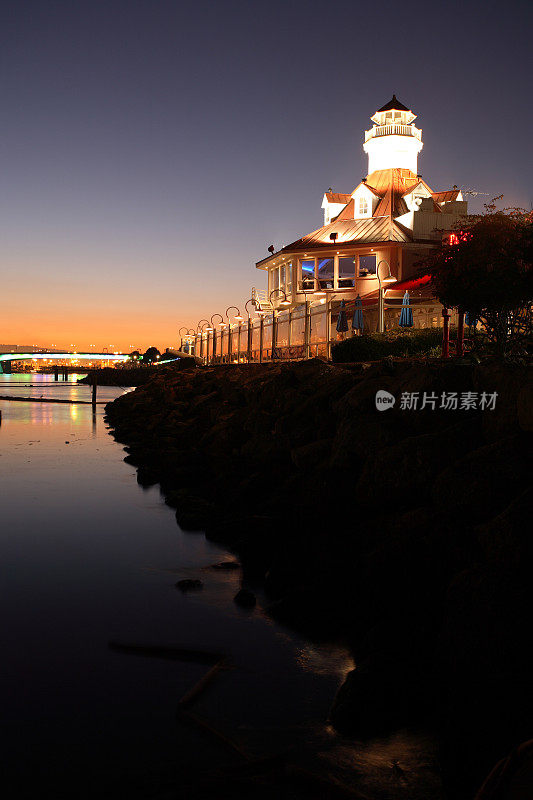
{"x": 402, "y": 532}
{"x": 133, "y": 376}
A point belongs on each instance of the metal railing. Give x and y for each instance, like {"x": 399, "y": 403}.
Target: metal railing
{"x": 261, "y": 299}
{"x": 390, "y": 130}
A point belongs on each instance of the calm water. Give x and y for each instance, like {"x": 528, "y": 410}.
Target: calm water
{"x": 89, "y": 557}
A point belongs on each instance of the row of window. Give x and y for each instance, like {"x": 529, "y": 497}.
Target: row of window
{"x": 282, "y": 278}
{"x": 322, "y": 270}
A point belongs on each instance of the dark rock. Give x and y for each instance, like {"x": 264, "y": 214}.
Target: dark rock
{"x": 354, "y": 442}
{"x": 481, "y": 484}
{"x": 373, "y": 703}
{"x": 524, "y": 408}
{"x": 412, "y": 464}
{"x": 245, "y": 598}
{"x": 146, "y": 476}
{"x": 403, "y": 532}
{"x": 310, "y": 455}
{"x": 189, "y": 584}
{"x": 193, "y": 512}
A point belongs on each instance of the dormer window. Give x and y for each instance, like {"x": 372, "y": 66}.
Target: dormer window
{"x": 363, "y": 206}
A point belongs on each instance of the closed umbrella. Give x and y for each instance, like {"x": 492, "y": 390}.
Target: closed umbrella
{"x": 357, "y": 319}
{"x": 406, "y": 315}
{"x": 342, "y": 321}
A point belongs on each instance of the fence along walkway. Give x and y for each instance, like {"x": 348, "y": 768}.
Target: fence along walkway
{"x": 307, "y": 331}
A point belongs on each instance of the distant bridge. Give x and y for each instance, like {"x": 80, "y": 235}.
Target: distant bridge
{"x": 7, "y": 358}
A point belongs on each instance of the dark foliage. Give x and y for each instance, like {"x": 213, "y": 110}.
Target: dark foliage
{"x": 373, "y": 346}
{"x": 485, "y": 268}
{"x": 151, "y": 355}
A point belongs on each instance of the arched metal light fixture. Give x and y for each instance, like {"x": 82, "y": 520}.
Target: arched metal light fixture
{"x": 388, "y": 278}
{"x": 238, "y": 316}
{"x": 251, "y": 300}
{"x": 217, "y": 323}
{"x": 283, "y": 302}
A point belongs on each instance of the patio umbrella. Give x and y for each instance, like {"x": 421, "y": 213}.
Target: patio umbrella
{"x": 357, "y": 319}
{"x": 406, "y": 315}
{"x": 342, "y": 321}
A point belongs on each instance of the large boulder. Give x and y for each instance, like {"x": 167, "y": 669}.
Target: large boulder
{"x": 481, "y": 484}
{"x": 372, "y": 703}
{"x": 403, "y": 472}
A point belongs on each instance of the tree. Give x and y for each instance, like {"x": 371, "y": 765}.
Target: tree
{"x": 168, "y": 355}
{"x": 151, "y": 355}
{"x": 485, "y": 268}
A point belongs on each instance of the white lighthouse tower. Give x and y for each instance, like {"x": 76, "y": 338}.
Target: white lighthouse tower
{"x": 393, "y": 142}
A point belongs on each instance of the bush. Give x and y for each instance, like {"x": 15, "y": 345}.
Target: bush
{"x": 373, "y": 346}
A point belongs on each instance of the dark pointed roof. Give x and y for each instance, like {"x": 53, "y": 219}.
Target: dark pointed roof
{"x": 393, "y": 105}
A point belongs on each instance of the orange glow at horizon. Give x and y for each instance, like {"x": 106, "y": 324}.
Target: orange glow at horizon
{"x": 63, "y": 323}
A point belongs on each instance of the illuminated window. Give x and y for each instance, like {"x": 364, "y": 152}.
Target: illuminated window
{"x": 282, "y": 277}
{"x": 308, "y": 273}
{"x": 289, "y": 277}
{"x": 346, "y": 272}
{"x": 325, "y": 273}
{"x": 275, "y": 279}
{"x": 367, "y": 265}
{"x": 363, "y": 205}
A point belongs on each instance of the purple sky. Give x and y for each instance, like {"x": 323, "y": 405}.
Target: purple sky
{"x": 151, "y": 151}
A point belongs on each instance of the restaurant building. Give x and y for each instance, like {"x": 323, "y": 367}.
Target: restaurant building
{"x": 368, "y": 246}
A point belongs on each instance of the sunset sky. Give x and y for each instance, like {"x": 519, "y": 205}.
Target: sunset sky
{"x": 150, "y": 152}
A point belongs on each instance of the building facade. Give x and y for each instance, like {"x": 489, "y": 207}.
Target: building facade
{"x": 368, "y": 248}
{"x": 391, "y": 218}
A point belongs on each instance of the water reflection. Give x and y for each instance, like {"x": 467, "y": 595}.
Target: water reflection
{"x": 89, "y": 557}
{"x": 86, "y": 559}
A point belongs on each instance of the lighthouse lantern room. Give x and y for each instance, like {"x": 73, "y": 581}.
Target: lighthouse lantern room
{"x": 393, "y": 142}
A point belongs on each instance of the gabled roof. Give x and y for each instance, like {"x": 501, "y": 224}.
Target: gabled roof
{"x": 347, "y": 212}
{"x": 337, "y": 197}
{"x": 393, "y": 105}
{"x": 351, "y": 231}
{"x": 391, "y": 185}
{"x": 446, "y": 196}
{"x": 420, "y": 182}
{"x": 367, "y": 186}
{"x": 431, "y": 194}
